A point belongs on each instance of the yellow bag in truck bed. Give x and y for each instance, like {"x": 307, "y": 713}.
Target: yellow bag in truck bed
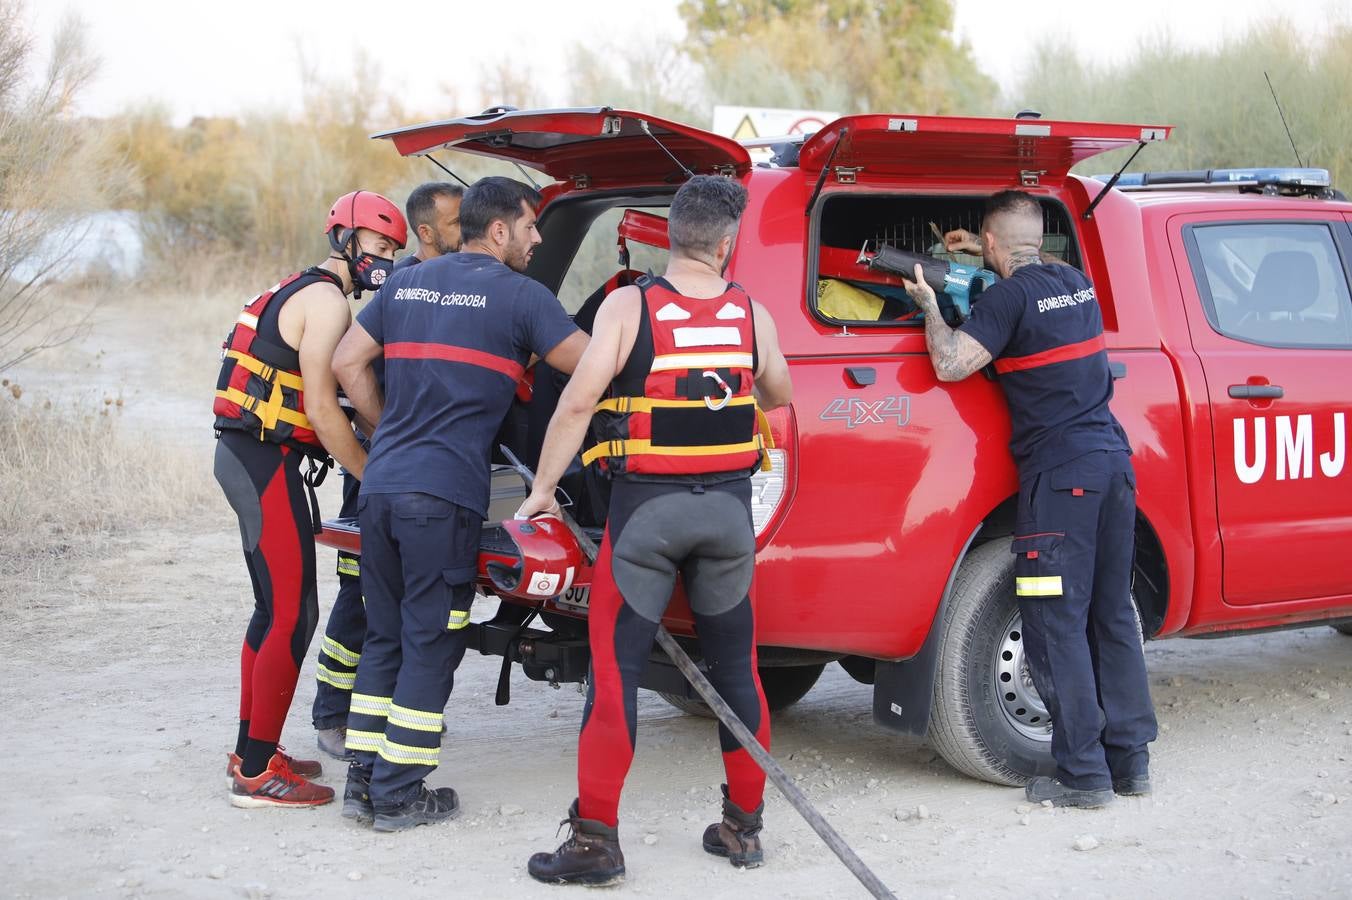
{"x": 844, "y": 302}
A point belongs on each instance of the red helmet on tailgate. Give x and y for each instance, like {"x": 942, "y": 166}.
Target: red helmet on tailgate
{"x": 548, "y": 558}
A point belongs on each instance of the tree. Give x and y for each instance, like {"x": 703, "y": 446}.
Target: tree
{"x": 54, "y": 171}
{"x": 1217, "y": 98}
{"x": 848, "y": 55}
{"x": 653, "y": 76}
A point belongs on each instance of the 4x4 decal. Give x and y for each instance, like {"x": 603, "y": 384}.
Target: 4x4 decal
{"x": 858, "y": 411}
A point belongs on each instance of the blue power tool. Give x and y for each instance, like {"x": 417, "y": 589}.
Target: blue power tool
{"x": 961, "y": 285}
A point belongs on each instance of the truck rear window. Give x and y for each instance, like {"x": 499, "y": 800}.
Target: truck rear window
{"x": 843, "y": 292}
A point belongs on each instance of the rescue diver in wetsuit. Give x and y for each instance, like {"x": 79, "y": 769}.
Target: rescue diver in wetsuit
{"x": 683, "y": 356}
{"x": 276, "y": 402}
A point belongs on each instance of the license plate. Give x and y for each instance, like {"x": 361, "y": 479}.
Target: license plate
{"x": 574, "y": 598}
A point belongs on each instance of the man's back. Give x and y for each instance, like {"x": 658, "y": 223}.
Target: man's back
{"x": 1044, "y": 328}
{"x": 457, "y": 332}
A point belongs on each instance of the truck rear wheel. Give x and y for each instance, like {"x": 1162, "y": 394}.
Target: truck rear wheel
{"x": 784, "y": 686}
{"x": 1343, "y": 628}
{"x": 987, "y": 720}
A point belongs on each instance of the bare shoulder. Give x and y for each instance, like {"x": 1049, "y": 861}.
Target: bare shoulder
{"x": 323, "y": 299}
{"x": 621, "y": 305}
{"x": 764, "y": 322}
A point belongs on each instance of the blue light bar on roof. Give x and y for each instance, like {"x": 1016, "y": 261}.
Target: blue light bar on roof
{"x": 1259, "y": 177}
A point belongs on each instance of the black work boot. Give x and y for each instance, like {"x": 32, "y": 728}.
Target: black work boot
{"x": 738, "y": 836}
{"x": 1044, "y": 788}
{"x": 423, "y": 808}
{"x": 357, "y": 796}
{"x": 590, "y": 856}
{"x": 1132, "y": 786}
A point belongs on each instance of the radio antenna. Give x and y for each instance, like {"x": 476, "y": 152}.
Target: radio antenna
{"x": 1284, "y": 125}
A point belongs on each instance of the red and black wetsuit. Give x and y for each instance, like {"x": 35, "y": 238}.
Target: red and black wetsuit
{"x": 681, "y": 443}
{"x": 258, "y": 459}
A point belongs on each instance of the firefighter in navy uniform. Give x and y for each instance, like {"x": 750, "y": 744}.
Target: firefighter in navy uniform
{"x": 456, "y": 333}
{"x": 1075, "y": 530}
{"x": 276, "y": 404}
{"x": 433, "y": 211}
{"x": 685, "y": 357}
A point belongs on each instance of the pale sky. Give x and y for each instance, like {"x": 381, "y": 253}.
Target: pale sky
{"x": 224, "y": 56}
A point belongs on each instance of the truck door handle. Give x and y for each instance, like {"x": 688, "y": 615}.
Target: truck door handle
{"x": 862, "y": 376}
{"x": 1255, "y": 391}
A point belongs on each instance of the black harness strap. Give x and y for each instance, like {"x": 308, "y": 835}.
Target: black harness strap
{"x": 503, "y": 695}
{"x": 316, "y": 470}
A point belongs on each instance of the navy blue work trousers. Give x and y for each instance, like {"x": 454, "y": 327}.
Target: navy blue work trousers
{"x": 419, "y": 557}
{"x": 1074, "y": 544}
{"x": 340, "y": 651}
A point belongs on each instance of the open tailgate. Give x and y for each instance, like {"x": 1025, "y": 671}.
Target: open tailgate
{"x": 588, "y": 147}
{"x": 881, "y": 146}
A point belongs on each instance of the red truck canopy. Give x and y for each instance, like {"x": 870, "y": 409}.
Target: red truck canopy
{"x": 599, "y": 144}
{"x": 961, "y": 148}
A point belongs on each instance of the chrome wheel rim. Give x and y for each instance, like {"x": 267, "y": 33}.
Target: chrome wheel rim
{"x": 1023, "y": 709}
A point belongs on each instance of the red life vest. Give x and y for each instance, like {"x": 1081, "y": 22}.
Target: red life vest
{"x": 259, "y": 389}
{"x": 683, "y": 405}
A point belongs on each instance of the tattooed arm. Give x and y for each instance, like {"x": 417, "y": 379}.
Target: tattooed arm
{"x": 955, "y": 355}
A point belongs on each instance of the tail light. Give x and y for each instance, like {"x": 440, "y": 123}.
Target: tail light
{"x": 769, "y": 489}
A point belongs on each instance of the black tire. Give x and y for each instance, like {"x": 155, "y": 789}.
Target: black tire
{"x": 972, "y": 725}
{"x": 784, "y": 686}
{"x": 1343, "y": 628}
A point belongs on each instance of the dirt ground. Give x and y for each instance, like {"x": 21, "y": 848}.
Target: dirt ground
{"x": 118, "y": 677}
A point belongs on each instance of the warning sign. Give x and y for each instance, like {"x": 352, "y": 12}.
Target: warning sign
{"x": 749, "y": 122}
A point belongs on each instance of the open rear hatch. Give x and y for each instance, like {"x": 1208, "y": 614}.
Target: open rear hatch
{"x": 582, "y": 147}
{"x": 1027, "y": 151}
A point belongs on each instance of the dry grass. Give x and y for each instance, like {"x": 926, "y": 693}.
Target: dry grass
{"x": 73, "y": 477}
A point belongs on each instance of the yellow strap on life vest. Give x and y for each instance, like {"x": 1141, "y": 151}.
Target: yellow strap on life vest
{"x": 764, "y": 439}
{"x": 268, "y": 373}
{"x": 763, "y": 425}
{"x": 635, "y": 446}
{"x": 268, "y": 415}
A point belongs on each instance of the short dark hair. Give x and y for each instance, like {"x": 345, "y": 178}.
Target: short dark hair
{"x": 490, "y": 199}
{"x": 1016, "y": 202}
{"x": 421, "y": 206}
{"x": 704, "y": 210}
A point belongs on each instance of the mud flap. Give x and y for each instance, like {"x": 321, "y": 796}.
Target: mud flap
{"x": 903, "y": 691}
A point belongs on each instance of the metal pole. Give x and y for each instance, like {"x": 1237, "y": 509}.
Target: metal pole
{"x": 772, "y": 770}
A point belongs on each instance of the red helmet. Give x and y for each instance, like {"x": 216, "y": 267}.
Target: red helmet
{"x": 367, "y": 209}
{"x": 548, "y": 558}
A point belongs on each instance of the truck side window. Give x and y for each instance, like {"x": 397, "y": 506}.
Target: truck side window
{"x": 843, "y": 291}
{"x": 1276, "y": 283}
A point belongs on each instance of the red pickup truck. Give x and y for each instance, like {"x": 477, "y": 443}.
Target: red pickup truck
{"x": 884, "y": 524}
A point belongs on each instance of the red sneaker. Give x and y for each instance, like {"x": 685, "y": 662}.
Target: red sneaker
{"x": 277, "y": 785}
{"x": 306, "y": 768}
